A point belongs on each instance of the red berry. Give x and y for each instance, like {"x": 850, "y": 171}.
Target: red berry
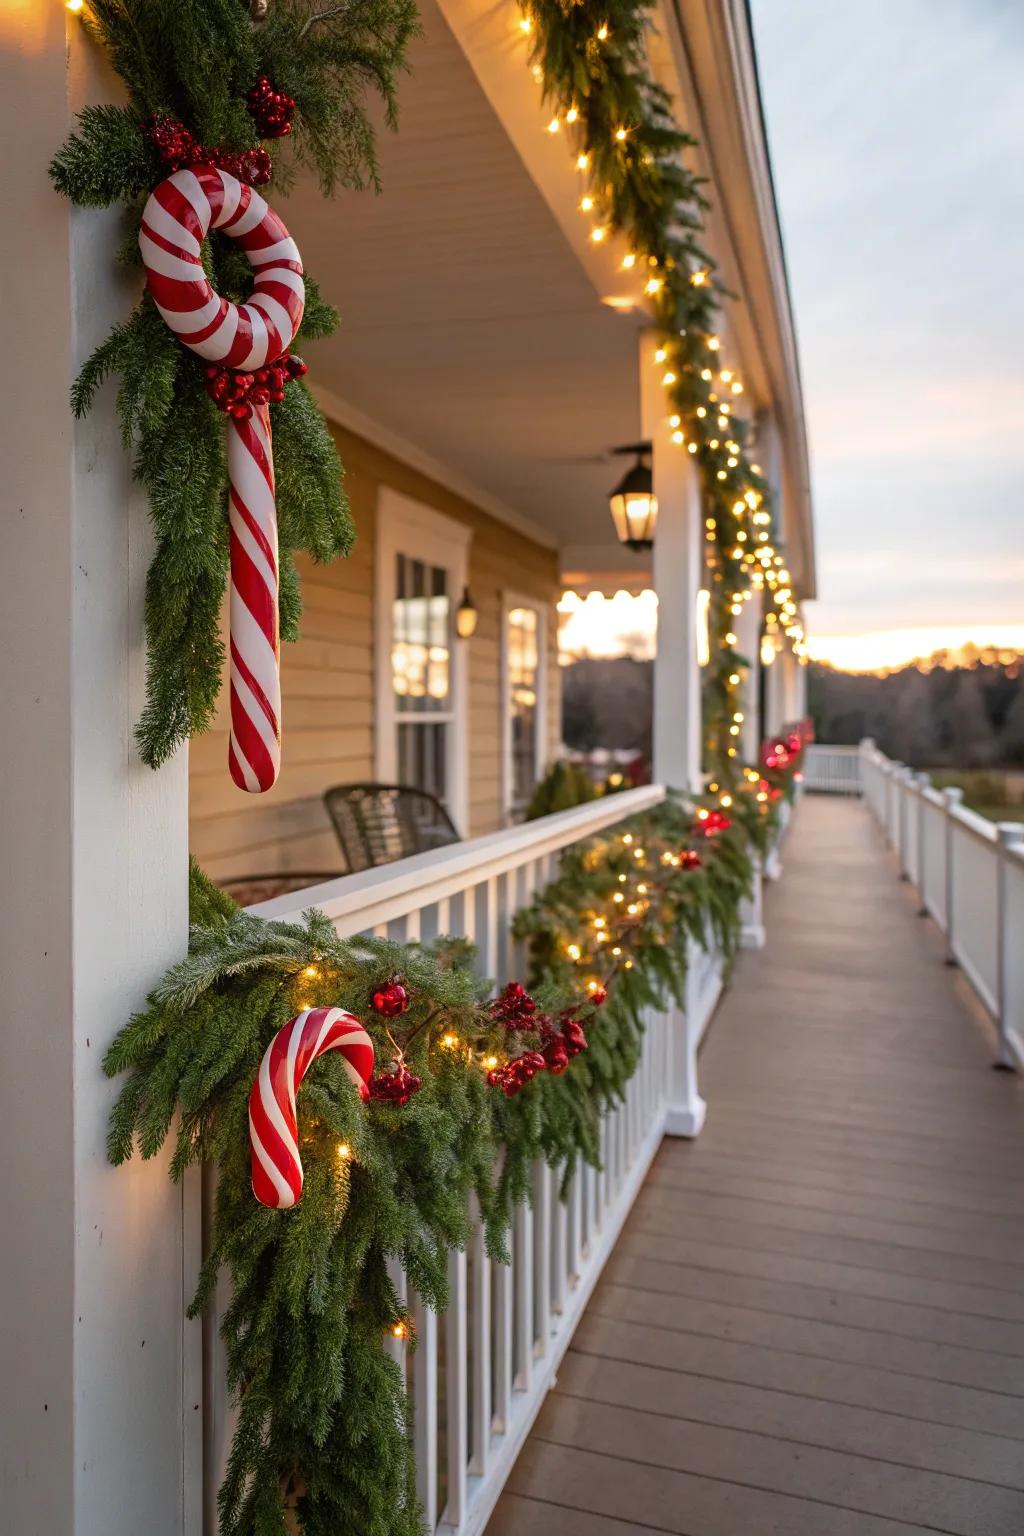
{"x": 598, "y": 995}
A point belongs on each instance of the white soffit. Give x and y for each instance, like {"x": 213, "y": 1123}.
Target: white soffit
{"x": 470, "y": 331}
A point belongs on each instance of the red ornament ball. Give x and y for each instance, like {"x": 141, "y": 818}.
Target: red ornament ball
{"x": 689, "y": 859}
{"x": 395, "y": 1087}
{"x": 597, "y": 995}
{"x": 390, "y": 1000}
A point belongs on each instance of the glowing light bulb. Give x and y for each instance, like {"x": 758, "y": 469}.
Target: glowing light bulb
{"x": 668, "y": 378}
{"x": 449, "y": 1041}
{"x": 602, "y": 32}
{"x": 653, "y": 285}
{"x": 699, "y": 278}
{"x": 572, "y": 115}
{"x": 713, "y": 343}
{"x": 554, "y": 125}
{"x": 400, "y": 1331}
{"x": 582, "y": 161}
{"x": 598, "y": 233}
{"x": 620, "y": 134}
{"x": 586, "y": 203}
{"x": 629, "y": 261}
{"x": 490, "y": 1062}
{"x": 525, "y": 24}
{"x": 344, "y": 1151}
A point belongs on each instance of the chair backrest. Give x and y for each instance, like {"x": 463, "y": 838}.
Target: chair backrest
{"x": 378, "y": 823}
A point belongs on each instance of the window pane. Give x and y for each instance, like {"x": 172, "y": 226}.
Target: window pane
{"x": 522, "y": 640}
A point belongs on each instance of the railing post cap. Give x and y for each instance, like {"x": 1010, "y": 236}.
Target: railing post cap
{"x": 1010, "y": 833}
{"x": 953, "y": 794}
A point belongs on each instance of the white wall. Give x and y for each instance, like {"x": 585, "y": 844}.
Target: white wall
{"x": 92, "y": 1352}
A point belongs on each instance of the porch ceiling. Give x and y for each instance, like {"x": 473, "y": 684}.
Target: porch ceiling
{"x": 470, "y": 330}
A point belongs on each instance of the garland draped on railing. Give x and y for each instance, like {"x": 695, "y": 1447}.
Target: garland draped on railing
{"x": 470, "y": 1088}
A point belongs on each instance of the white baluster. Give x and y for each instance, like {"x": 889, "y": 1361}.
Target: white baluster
{"x": 480, "y": 1334}
{"x": 424, "y": 1375}
{"x": 542, "y": 1254}
{"x": 522, "y": 1295}
{"x": 457, "y": 1388}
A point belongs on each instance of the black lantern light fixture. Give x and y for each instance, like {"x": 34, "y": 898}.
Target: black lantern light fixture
{"x": 466, "y": 616}
{"x": 633, "y": 504}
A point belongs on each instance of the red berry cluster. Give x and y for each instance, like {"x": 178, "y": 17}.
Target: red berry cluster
{"x": 515, "y": 1074}
{"x": 390, "y": 1000}
{"x": 236, "y": 393}
{"x": 561, "y": 1043}
{"x": 713, "y": 823}
{"x": 395, "y": 1087}
{"x": 597, "y": 995}
{"x": 689, "y": 859}
{"x": 515, "y": 1007}
{"x": 177, "y": 148}
{"x": 272, "y": 111}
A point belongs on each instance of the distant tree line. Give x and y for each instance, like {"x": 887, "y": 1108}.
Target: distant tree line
{"x": 963, "y": 711}
{"x": 932, "y": 714}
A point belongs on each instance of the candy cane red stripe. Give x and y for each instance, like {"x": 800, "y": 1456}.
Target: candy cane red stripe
{"x": 178, "y": 216}
{"x": 273, "y": 1120}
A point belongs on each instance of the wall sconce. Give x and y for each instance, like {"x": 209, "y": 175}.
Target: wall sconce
{"x": 634, "y": 506}
{"x": 466, "y": 616}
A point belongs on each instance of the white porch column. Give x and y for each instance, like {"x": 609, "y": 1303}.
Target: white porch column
{"x": 748, "y": 633}
{"x": 98, "y": 1401}
{"x": 678, "y": 573}
{"x": 678, "y": 577}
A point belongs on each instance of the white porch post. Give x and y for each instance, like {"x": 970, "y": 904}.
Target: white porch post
{"x": 678, "y": 573}
{"x": 748, "y": 633}
{"x": 100, "y": 1400}
{"x": 678, "y": 576}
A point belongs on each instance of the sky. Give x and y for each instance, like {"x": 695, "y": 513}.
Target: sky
{"x": 896, "y": 130}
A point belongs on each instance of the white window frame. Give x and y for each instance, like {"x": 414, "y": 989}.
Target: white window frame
{"x": 510, "y": 600}
{"x": 408, "y": 527}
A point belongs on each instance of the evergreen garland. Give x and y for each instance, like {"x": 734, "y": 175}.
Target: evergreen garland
{"x": 195, "y": 61}
{"x": 593, "y": 67}
{"x": 323, "y": 1430}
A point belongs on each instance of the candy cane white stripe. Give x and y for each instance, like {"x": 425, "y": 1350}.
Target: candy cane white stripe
{"x": 163, "y": 223}
{"x": 274, "y": 312}
{"x": 273, "y": 1109}
{"x": 285, "y": 251}
{"x": 219, "y": 343}
{"x": 280, "y": 1183}
{"x": 188, "y": 185}
{"x": 282, "y": 277}
{"x": 158, "y": 260}
{"x": 232, "y": 196}
{"x": 193, "y": 319}
{"x": 294, "y": 1041}
{"x": 244, "y": 534}
{"x": 254, "y": 709}
{"x": 251, "y": 219}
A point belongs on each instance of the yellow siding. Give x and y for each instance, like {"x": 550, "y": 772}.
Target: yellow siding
{"x": 327, "y": 684}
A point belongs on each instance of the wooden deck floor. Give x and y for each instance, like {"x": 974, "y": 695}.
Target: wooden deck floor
{"x": 813, "y": 1323}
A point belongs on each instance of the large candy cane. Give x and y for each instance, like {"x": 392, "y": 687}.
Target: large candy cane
{"x": 244, "y": 337}
{"x": 273, "y": 1126}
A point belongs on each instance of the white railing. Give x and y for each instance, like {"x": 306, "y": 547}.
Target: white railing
{"x": 832, "y": 770}
{"x": 969, "y": 873}
{"x": 479, "y": 1374}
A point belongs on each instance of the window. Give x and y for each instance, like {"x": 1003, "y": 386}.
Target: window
{"x": 421, "y": 654}
{"x": 419, "y": 726}
{"x": 524, "y": 700}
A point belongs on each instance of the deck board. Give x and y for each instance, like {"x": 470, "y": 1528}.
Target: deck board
{"x": 813, "y": 1321}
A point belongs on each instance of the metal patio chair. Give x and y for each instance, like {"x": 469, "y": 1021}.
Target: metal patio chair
{"x": 379, "y": 823}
